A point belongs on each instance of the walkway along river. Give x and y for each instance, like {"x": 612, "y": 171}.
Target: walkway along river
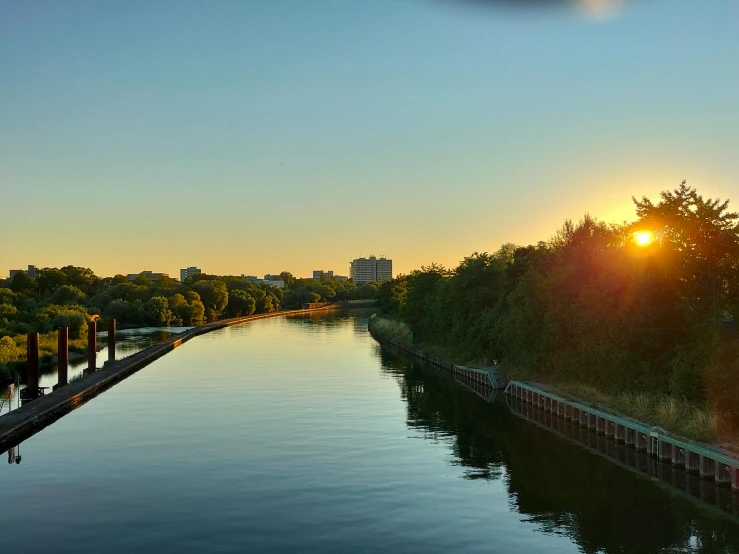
{"x": 303, "y": 434}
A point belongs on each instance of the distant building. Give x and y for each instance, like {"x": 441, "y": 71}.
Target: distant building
{"x": 272, "y": 277}
{"x": 368, "y": 270}
{"x": 319, "y": 275}
{"x": 185, "y": 273}
{"x": 32, "y": 271}
{"x": 152, "y": 276}
{"x": 278, "y": 283}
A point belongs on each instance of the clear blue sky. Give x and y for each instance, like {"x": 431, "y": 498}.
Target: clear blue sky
{"x": 255, "y": 136}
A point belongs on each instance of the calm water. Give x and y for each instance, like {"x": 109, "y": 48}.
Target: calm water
{"x": 302, "y": 435}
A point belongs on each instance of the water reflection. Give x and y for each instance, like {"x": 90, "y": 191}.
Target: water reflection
{"x": 14, "y": 455}
{"x": 562, "y": 487}
{"x": 128, "y": 342}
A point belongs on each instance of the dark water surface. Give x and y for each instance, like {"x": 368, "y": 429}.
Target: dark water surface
{"x": 302, "y": 435}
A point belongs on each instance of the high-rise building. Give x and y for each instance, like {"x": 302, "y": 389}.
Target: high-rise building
{"x": 185, "y": 273}
{"x": 368, "y": 270}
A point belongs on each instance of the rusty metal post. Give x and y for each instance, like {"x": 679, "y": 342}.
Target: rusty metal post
{"x": 111, "y": 340}
{"x": 32, "y": 365}
{"x": 62, "y": 356}
{"x": 92, "y": 335}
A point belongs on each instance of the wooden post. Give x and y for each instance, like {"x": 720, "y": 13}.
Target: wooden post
{"x": 111, "y": 340}
{"x": 32, "y": 365}
{"x": 62, "y": 356}
{"x": 92, "y": 335}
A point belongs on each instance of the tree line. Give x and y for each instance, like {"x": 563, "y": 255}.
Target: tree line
{"x": 642, "y": 306}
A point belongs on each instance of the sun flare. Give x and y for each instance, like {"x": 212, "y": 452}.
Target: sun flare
{"x": 643, "y": 238}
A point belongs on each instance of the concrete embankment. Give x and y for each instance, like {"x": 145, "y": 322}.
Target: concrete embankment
{"x": 34, "y": 416}
{"x": 696, "y": 458}
{"x": 482, "y": 381}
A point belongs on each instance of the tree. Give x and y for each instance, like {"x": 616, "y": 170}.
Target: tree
{"x": 22, "y": 283}
{"x": 288, "y": 278}
{"x": 81, "y": 277}
{"x": 368, "y": 290}
{"x": 192, "y": 296}
{"x": 213, "y": 294}
{"x": 101, "y": 300}
{"x": 53, "y": 316}
{"x": 197, "y": 313}
{"x": 240, "y": 303}
{"x": 157, "y": 312}
{"x": 120, "y": 310}
{"x": 50, "y": 279}
{"x": 180, "y": 309}
{"x": 142, "y": 280}
{"x": 177, "y": 300}
{"x": 7, "y": 296}
{"x": 266, "y": 304}
{"x": 9, "y": 352}
{"x": 700, "y": 240}
{"x": 68, "y": 294}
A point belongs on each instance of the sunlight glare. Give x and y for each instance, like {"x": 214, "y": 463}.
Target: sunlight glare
{"x": 643, "y": 238}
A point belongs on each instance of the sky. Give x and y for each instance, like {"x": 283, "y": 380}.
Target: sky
{"x": 256, "y": 136}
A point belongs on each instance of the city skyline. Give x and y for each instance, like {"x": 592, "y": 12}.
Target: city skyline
{"x": 178, "y": 274}
{"x": 138, "y": 135}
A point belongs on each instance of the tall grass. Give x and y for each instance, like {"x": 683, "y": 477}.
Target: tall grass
{"x": 674, "y": 415}
{"x": 392, "y": 329}
{"x": 48, "y": 343}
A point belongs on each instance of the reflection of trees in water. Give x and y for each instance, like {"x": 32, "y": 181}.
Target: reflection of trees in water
{"x": 325, "y": 321}
{"x": 561, "y": 487}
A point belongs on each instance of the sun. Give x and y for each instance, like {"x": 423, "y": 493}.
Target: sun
{"x": 643, "y": 238}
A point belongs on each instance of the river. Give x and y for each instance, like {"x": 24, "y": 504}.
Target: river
{"x": 301, "y": 434}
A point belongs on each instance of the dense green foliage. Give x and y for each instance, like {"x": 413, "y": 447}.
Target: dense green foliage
{"x": 326, "y": 290}
{"x": 592, "y": 305}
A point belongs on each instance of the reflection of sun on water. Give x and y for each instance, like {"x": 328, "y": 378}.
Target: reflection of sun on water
{"x": 643, "y": 238}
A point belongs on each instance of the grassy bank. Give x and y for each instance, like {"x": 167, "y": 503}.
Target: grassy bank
{"x": 674, "y": 415}
{"x": 13, "y": 353}
{"x": 384, "y": 327}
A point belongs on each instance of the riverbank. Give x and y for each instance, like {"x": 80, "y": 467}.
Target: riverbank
{"x": 34, "y": 416}
{"x": 677, "y": 417}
